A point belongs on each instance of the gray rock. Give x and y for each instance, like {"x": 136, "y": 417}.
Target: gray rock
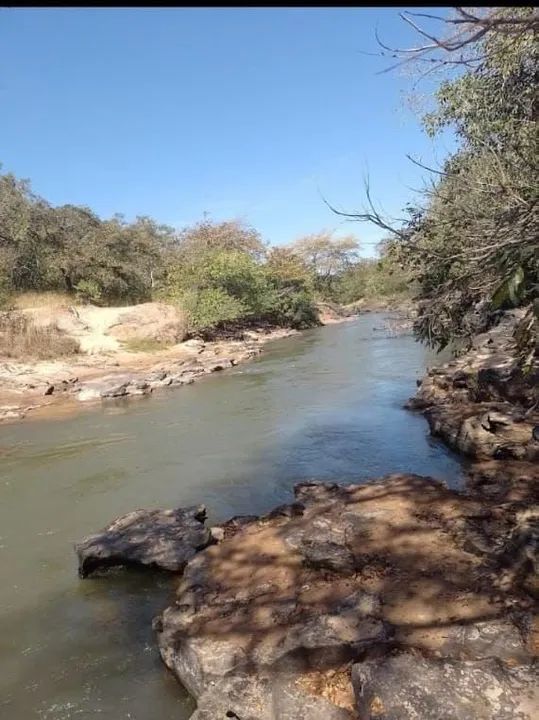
{"x": 321, "y": 641}
{"x": 115, "y": 389}
{"x": 165, "y": 539}
{"x": 408, "y": 686}
{"x": 278, "y": 697}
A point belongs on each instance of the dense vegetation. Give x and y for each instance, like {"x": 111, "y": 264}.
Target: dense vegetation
{"x": 221, "y": 273}
{"x": 471, "y": 241}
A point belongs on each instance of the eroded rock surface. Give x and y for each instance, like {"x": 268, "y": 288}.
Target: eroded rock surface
{"x": 407, "y": 686}
{"x": 481, "y": 403}
{"x": 268, "y": 623}
{"x": 164, "y": 539}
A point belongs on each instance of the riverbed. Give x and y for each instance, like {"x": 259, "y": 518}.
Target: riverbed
{"x": 325, "y": 404}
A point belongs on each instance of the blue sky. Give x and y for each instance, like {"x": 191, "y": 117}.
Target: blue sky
{"x": 247, "y": 113}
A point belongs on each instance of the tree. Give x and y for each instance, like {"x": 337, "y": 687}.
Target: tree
{"x": 471, "y": 240}
{"x": 209, "y": 235}
{"x": 326, "y": 257}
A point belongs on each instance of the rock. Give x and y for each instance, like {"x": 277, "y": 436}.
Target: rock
{"x": 342, "y": 574}
{"x": 88, "y": 393}
{"x": 194, "y": 344}
{"x": 114, "y": 389}
{"x": 234, "y": 525}
{"x": 219, "y": 364}
{"x": 406, "y": 686}
{"x": 49, "y": 390}
{"x": 280, "y": 697}
{"x": 504, "y": 638}
{"x": 165, "y": 539}
{"x": 478, "y": 431}
{"x": 481, "y": 403}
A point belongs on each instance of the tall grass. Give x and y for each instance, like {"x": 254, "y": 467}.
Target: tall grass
{"x": 49, "y": 299}
{"x": 20, "y": 338}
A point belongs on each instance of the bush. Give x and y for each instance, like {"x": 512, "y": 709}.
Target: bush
{"x": 210, "y": 308}
{"x": 89, "y": 291}
{"x": 20, "y": 338}
{"x": 295, "y": 309}
{"x": 373, "y": 279}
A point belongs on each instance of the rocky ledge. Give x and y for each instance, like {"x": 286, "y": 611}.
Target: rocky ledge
{"x": 397, "y": 600}
{"x": 481, "y": 403}
{"x": 165, "y": 539}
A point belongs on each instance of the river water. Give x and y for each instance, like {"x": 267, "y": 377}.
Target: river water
{"x": 326, "y": 404}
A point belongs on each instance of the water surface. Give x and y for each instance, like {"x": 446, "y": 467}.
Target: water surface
{"x": 327, "y": 404}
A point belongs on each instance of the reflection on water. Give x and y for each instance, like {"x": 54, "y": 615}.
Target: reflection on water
{"x": 323, "y": 405}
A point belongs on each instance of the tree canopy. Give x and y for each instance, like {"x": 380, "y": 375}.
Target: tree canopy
{"x": 470, "y": 242}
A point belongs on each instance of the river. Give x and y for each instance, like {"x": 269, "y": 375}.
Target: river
{"x": 326, "y": 404}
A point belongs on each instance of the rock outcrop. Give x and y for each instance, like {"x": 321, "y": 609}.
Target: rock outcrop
{"x": 481, "y": 403}
{"x": 314, "y": 610}
{"x": 407, "y": 686}
{"x": 165, "y": 539}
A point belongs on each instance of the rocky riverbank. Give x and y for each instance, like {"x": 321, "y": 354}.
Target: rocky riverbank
{"x": 62, "y": 385}
{"x": 481, "y": 403}
{"x": 398, "y": 599}
{"x": 106, "y": 369}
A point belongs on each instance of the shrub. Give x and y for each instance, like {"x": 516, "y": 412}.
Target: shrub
{"x": 89, "y": 291}
{"x": 293, "y": 308}
{"x": 210, "y": 308}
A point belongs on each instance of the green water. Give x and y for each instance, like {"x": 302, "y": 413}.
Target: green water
{"x": 326, "y": 404}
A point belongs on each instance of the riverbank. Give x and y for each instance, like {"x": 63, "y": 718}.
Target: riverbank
{"x": 391, "y": 599}
{"x": 61, "y": 386}
{"x": 482, "y": 404}
{"x": 106, "y": 369}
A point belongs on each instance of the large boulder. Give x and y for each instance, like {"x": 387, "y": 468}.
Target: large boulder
{"x": 165, "y": 539}
{"x": 407, "y": 686}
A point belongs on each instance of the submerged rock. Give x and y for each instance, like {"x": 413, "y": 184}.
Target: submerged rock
{"x": 165, "y": 539}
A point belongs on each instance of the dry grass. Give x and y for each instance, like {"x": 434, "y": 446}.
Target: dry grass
{"x": 21, "y": 339}
{"x": 52, "y": 300}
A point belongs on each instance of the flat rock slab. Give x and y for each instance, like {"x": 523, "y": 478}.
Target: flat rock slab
{"x": 409, "y": 687}
{"x": 165, "y": 539}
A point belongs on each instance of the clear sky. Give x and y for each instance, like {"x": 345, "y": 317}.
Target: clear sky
{"x": 247, "y": 113}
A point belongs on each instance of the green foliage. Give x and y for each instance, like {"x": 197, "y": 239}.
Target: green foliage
{"x": 293, "y": 308}
{"x": 228, "y": 236}
{"x": 292, "y": 281}
{"x": 220, "y": 282}
{"x": 472, "y": 245}
{"x": 327, "y": 258}
{"x": 209, "y": 308}
{"x": 372, "y": 279}
{"x": 62, "y": 248}
{"x": 89, "y": 291}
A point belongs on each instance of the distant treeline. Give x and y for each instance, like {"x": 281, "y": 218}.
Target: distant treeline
{"x": 220, "y": 272}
